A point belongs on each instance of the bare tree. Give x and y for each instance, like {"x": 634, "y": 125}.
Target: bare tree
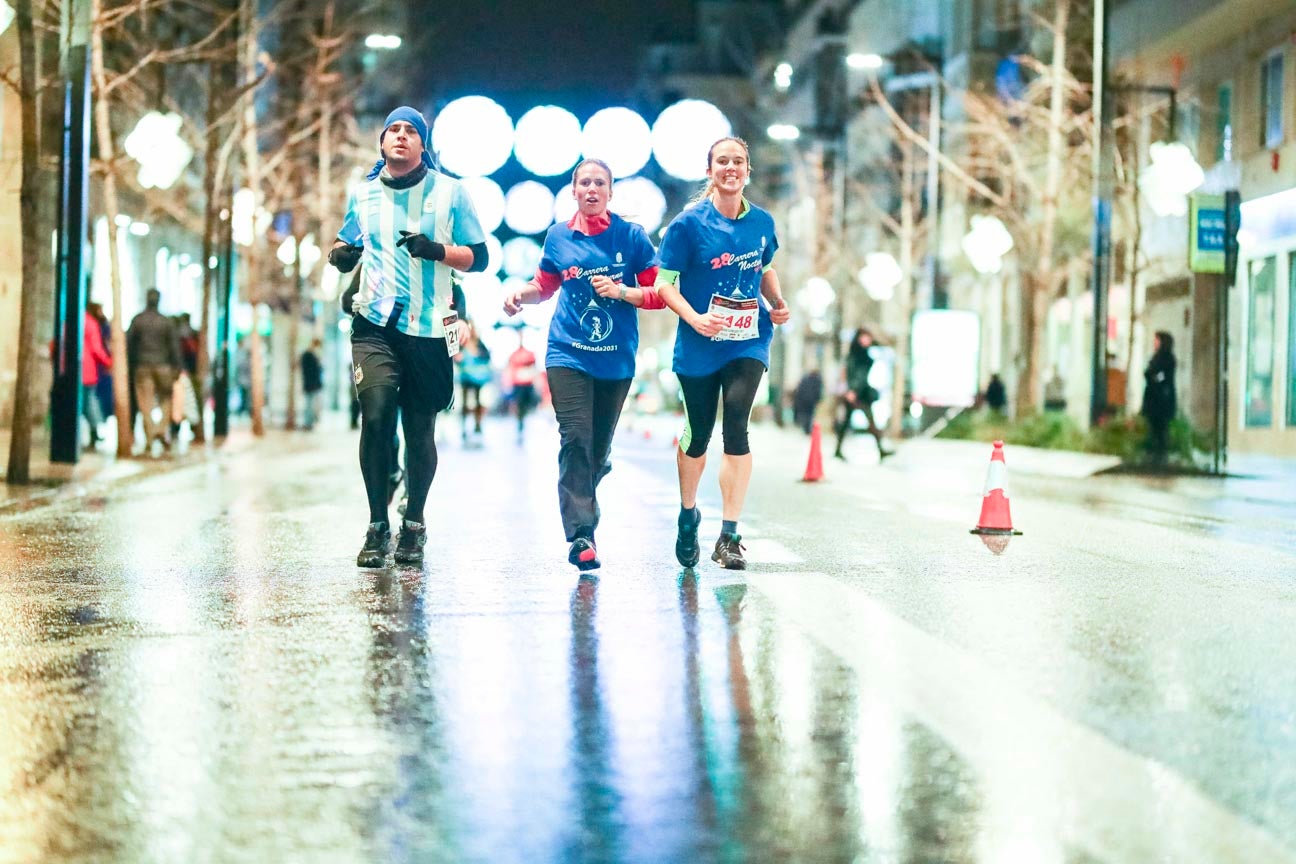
{"x": 19, "y": 466}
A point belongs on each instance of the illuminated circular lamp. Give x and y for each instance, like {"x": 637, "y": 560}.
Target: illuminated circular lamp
{"x": 1171, "y": 176}
{"x": 472, "y": 136}
{"x": 155, "y": 143}
{"x": 880, "y": 276}
{"x": 529, "y": 207}
{"x": 639, "y": 199}
{"x": 986, "y": 244}
{"x": 487, "y": 200}
{"x": 620, "y": 137}
{"x": 816, "y": 296}
{"x": 547, "y": 141}
{"x": 564, "y": 205}
{"x": 683, "y": 134}
{"x": 521, "y": 257}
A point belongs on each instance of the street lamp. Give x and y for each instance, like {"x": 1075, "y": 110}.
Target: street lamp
{"x": 880, "y": 275}
{"x": 783, "y": 132}
{"x": 1172, "y": 175}
{"x": 6, "y": 16}
{"x": 382, "y": 42}
{"x": 783, "y": 76}
{"x": 987, "y": 244}
{"x": 155, "y": 143}
{"x": 865, "y": 61}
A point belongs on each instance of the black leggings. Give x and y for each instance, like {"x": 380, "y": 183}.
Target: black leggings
{"x": 377, "y": 429}
{"x": 735, "y": 384}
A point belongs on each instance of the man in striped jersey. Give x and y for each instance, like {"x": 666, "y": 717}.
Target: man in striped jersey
{"x": 406, "y": 226}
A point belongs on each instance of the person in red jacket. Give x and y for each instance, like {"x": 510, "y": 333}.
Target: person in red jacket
{"x": 93, "y": 356}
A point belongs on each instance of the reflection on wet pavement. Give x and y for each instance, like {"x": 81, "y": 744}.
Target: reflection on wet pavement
{"x": 192, "y": 670}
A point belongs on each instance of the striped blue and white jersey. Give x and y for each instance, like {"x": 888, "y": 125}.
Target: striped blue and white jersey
{"x": 392, "y": 281}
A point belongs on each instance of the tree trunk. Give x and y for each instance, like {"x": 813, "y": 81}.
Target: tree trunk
{"x": 905, "y": 290}
{"x": 248, "y": 30}
{"x": 210, "y": 227}
{"x": 19, "y": 468}
{"x": 1040, "y": 286}
{"x": 103, "y": 132}
{"x": 294, "y": 329}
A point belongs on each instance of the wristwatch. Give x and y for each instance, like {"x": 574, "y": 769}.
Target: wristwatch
{"x": 623, "y": 292}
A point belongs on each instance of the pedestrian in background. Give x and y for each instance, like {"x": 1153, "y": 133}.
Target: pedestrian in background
{"x": 717, "y": 263}
{"x": 602, "y": 269}
{"x": 474, "y": 374}
{"x": 805, "y": 399}
{"x": 522, "y": 381}
{"x": 154, "y": 347}
{"x": 312, "y": 372}
{"x": 93, "y": 358}
{"x": 859, "y": 394}
{"x": 1160, "y": 402}
{"x": 996, "y": 395}
{"x": 407, "y": 226}
{"x": 104, "y": 388}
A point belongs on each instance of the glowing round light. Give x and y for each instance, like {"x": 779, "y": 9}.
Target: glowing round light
{"x": 484, "y": 296}
{"x": 620, "y": 137}
{"x": 529, "y": 207}
{"x": 547, "y": 140}
{"x": 638, "y": 200}
{"x": 880, "y": 275}
{"x": 564, "y": 205}
{"x": 816, "y": 296}
{"x": 472, "y": 136}
{"x": 155, "y": 143}
{"x": 521, "y": 257}
{"x": 488, "y": 200}
{"x": 987, "y": 243}
{"x": 684, "y": 133}
{"x": 1171, "y": 176}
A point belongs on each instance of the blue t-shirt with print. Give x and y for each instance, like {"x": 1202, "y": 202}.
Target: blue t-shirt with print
{"x": 718, "y": 255}
{"x": 596, "y": 335}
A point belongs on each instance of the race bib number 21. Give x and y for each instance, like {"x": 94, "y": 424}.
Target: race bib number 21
{"x": 741, "y": 317}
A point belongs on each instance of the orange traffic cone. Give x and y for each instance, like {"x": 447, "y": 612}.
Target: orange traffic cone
{"x": 814, "y": 465}
{"x": 995, "y": 517}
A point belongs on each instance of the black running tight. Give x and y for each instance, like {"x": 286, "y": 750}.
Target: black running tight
{"x": 377, "y": 427}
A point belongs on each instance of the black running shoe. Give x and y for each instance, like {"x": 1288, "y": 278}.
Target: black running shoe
{"x": 410, "y": 543}
{"x": 377, "y": 545}
{"x": 729, "y": 552}
{"x": 583, "y": 554}
{"x": 687, "y": 550}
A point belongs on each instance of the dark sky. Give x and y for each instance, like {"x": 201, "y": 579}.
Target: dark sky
{"x": 583, "y": 51}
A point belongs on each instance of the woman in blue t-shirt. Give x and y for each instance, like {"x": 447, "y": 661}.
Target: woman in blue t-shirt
{"x": 605, "y": 268}
{"x": 716, "y": 263}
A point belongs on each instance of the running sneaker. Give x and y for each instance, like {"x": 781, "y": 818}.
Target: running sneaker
{"x": 729, "y": 552}
{"x": 377, "y": 545}
{"x": 410, "y": 543}
{"x": 583, "y": 554}
{"x": 687, "y": 550}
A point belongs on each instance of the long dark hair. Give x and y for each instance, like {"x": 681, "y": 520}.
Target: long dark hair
{"x": 856, "y": 351}
{"x": 1167, "y": 342}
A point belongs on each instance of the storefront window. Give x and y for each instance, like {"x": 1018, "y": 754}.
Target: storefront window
{"x": 1260, "y": 343}
{"x": 1291, "y": 341}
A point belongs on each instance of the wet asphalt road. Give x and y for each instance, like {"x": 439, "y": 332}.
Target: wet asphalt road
{"x": 192, "y": 669}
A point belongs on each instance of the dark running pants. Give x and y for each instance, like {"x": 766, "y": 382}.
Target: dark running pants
{"x": 587, "y": 409}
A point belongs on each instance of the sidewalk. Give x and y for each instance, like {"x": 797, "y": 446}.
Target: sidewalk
{"x": 100, "y": 467}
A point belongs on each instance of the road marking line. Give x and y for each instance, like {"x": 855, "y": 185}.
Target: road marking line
{"x": 1065, "y": 780}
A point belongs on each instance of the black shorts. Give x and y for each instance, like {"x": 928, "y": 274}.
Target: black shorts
{"x": 418, "y": 367}
{"x": 734, "y": 385}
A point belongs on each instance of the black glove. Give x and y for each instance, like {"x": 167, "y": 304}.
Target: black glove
{"x": 420, "y": 246}
{"x": 345, "y": 258}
